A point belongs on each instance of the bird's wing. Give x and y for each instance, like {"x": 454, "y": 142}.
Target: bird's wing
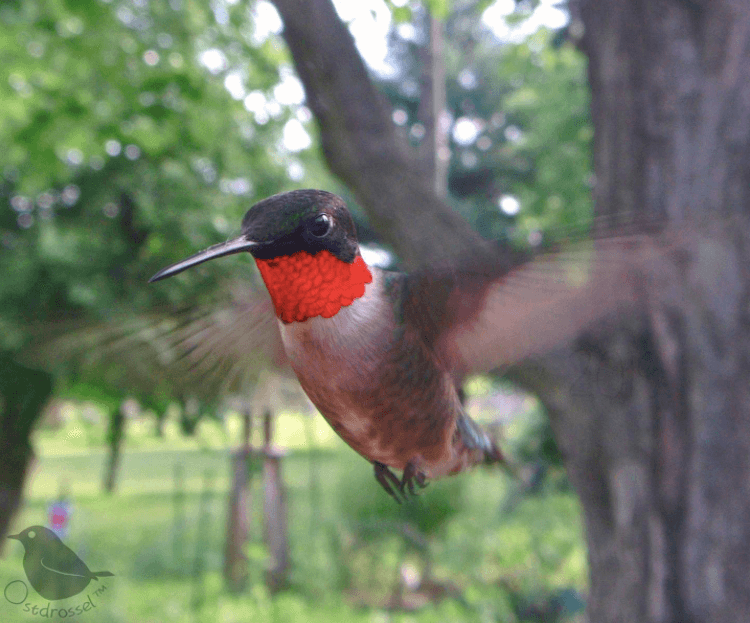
{"x": 209, "y": 351}
{"x": 51, "y": 563}
{"x": 480, "y": 317}
{"x": 59, "y": 558}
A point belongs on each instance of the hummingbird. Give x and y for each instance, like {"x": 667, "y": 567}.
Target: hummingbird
{"x": 52, "y": 568}
{"x": 382, "y": 354}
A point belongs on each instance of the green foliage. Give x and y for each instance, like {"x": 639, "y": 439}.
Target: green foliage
{"x": 363, "y": 502}
{"x": 550, "y": 107}
{"x": 123, "y": 150}
{"x": 488, "y": 562}
{"x": 531, "y": 102}
{"x": 523, "y": 106}
{"x": 533, "y": 440}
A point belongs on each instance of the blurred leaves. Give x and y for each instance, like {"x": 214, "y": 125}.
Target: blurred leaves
{"x": 136, "y": 133}
{"x": 519, "y": 119}
{"x": 112, "y": 167}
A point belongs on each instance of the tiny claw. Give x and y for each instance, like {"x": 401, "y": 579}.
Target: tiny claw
{"x": 411, "y": 476}
{"x": 383, "y": 475}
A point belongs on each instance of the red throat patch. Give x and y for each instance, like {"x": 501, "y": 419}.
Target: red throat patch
{"x": 303, "y": 286}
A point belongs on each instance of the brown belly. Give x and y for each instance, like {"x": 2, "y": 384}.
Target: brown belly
{"x": 392, "y": 423}
{"x": 379, "y": 385}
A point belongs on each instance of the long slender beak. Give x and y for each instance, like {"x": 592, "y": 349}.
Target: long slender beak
{"x": 17, "y": 537}
{"x": 230, "y": 247}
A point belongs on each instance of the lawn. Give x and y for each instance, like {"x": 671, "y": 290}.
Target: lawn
{"x": 161, "y": 535}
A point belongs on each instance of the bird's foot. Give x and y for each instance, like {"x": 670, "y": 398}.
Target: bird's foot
{"x": 388, "y": 480}
{"x": 400, "y": 490}
{"x": 412, "y": 476}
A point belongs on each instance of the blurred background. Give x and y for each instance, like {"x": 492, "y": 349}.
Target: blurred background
{"x": 136, "y": 132}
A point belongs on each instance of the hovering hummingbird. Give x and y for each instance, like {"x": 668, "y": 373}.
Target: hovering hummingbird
{"x": 382, "y": 354}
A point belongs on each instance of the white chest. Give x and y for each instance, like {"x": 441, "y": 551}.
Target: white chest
{"x": 340, "y": 363}
{"x": 347, "y": 347}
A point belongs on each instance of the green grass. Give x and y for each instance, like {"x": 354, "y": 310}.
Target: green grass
{"x": 346, "y": 536}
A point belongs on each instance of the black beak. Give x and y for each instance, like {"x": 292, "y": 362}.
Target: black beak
{"x": 17, "y": 537}
{"x": 230, "y": 247}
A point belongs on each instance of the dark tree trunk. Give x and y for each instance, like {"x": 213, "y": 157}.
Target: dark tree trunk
{"x": 23, "y": 393}
{"x": 661, "y": 459}
{"x": 161, "y": 420}
{"x": 115, "y": 434}
{"x": 652, "y": 411}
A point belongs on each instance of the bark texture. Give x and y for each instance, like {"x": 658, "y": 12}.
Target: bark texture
{"x": 652, "y": 411}
{"x": 23, "y": 393}
{"x": 658, "y": 449}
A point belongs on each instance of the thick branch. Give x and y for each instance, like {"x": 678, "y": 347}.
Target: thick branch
{"x": 360, "y": 142}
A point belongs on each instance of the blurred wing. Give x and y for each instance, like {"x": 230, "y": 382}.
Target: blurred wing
{"x": 209, "y": 351}
{"x": 228, "y": 347}
{"x": 481, "y": 318}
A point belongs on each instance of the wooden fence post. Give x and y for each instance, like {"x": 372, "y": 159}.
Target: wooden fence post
{"x": 236, "y": 566}
{"x": 275, "y": 513}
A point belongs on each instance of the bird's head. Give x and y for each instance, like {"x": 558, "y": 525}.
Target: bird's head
{"x": 301, "y": 220}
{"x": 305, "y": 244}
{"x": 36, "y": 537}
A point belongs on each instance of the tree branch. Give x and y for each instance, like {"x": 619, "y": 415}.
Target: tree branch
{"x": 361, "y": 145}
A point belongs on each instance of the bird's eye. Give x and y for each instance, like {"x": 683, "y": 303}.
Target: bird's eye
{"x": 321, "y": 225}
{"x": 32, "y": 534}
